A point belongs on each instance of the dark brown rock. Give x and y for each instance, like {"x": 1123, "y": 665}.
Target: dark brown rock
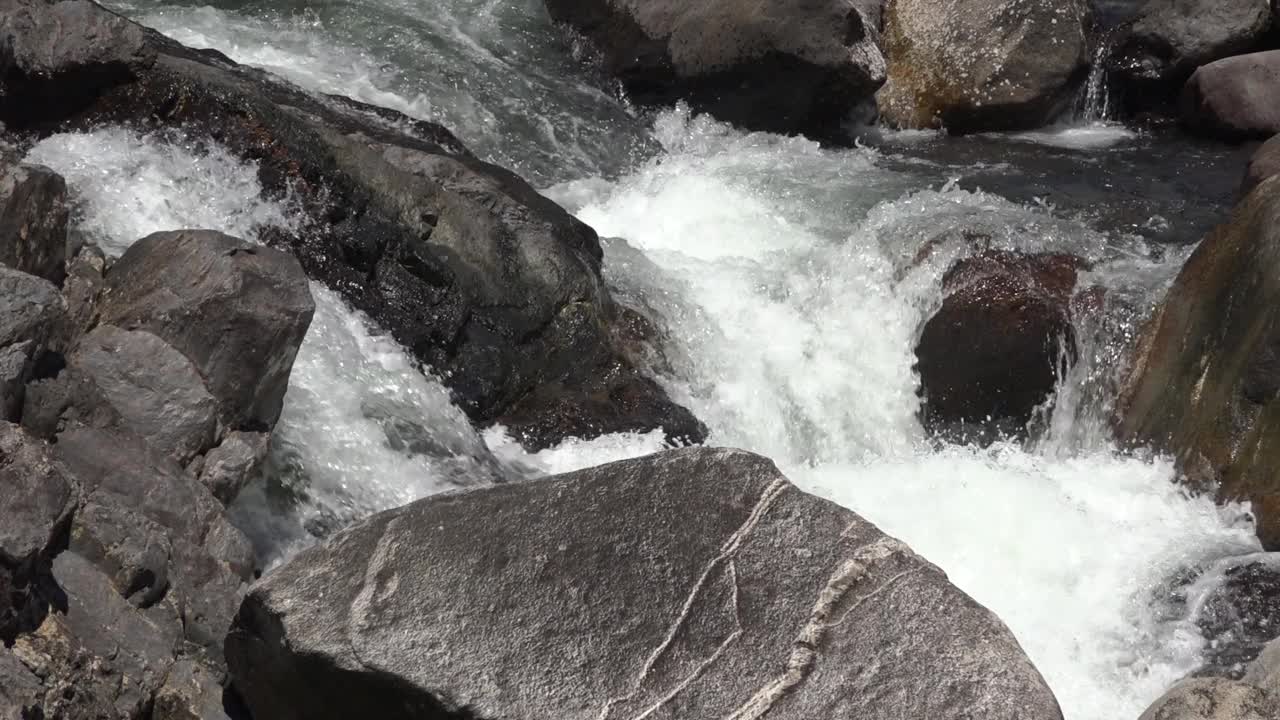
{"x": 787, "y": 67}
{"x": 993, "y": 353}
{"x": 1235, "y": 99}
{"x": 1205, "y": 384}
{"x": 690, "y": 584}
{"x": 33, "y": 221}
{"x": 1022, "y": 61}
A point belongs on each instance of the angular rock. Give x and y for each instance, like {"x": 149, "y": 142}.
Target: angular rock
{"x": 30, "y": 309}
{"x": 131, "y": 550}
{"x": 1169, "y": 39}
{"x": 136, "y": 381}
{"x": 33, "y": 221}
{"x": 1214, "y": 699}
{"x": 1205, "y": 383}
{"x": 695, "y": 583}
{"x": 237, "y": 310}
{"x": 230, "y": 466}
{"x": 1235, "y": 99}
{"x": 492, "y": 285}
{"x": 993, "y": 352}
{"x": 86, "y": 277}
{"x": 777, "y": 66}
{"x": 37, "y": 501}
{"x": 190, "y": 692}
{"x": 15, "y": 370}
{"x": 20, "y": 691}
{"x": 1022, "y": 63}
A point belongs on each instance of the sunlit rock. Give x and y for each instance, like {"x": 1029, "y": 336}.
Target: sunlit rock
{"x": 1235, "y": 99}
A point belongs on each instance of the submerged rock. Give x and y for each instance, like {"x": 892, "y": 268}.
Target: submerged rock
{"x": 492, "y": 285}
{"x": 33, "y": 221}
{"x": 694, "y": 583}
{"x": 1235, "y": 99}
{"x": 994, "y": 351}
{"x": 1205, "y": 384}
{"x": 1239, "y": 617}
{"x": 973, "y": 66}
{"x": 1169, "y": 39}
{"x": 786, "y": 67}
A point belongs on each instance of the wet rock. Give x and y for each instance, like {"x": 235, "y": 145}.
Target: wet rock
{"x": 1205, "y": 383}
{"x": 1264, "y": 672}
{"x": 1239, "y": 617}
{"x": 33, "y": 221}
{"x": 993, "y": 353}
{"x": 1214, "y": 699}
{"x": 136, "y": 381}
{"x": 1023, "y": 62}
{"x": 694, "y": 583}
{"x": 37, "y": 501}
{"x": 1235, "y": 99}
{"x": 230, "y": 466}
{"x": 1169, "y": 39}
{"x": 236, "y": 310}
{"x": 483, "y": 279}
{"x": 777, "y": 66}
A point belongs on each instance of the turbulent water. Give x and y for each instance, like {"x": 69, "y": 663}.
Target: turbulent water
{"x": 780, "y": 274}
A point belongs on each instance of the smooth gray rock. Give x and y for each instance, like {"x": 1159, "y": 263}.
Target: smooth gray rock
{"x": 1169, "y": 39}
{"x": 1264, "y": 163}
{"x": 37, "y": 501}
{"x": 1214, "y": 699}
{"x": 789, "y": 67}
{"x": 153, "y": 390}
{"x": 30, "y": 309}
{"x": 1237, "y": 98}
{"x": 690, "y": 584}
{"x": 237, "y": 310}
{"x": 20, "y": 691}
{"x": 230, "y": 466}
{"x": 1264, "y": 672}
{"x": 33, "y": 221}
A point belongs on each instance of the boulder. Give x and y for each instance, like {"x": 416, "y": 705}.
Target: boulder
{"x": 694, "y": 583}
{"x": 1264, "y": 163}
{"x": 1022, "y": 63}
{"x": 1235, "y": 99}
{"x": 37, "y": 501}
{"x": 1264, "y": 672}
{"x": 190, "y": 692}
{"x": 1169, "y": 39}
{"x": 1239, "y": 616}
{"x": 992, "y": 354}
{"x": 32, "y": 323}
{"x": 20, "y": 691}
{"x": 785, "y": 67}
{"x": 483, "y": 279}
{"x": 230, "y": 466}
{"x": 1205, "y": 380}
{"x": 238, "y": 311}
{"x": 1214, "y": 699}
{"x": 33, "y": 221}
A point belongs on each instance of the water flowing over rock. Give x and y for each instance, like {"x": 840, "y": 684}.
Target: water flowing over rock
{"x": 489, "y": 283}
{"x": 973, "y": 66}
{"x": 787, "y": 67}
{"x": 693, "y": 583}
{"x": 1169, "y": 39}
{"x": 994, "y": 351}
{"x": 33, "y": 221}
{"x": 1236, "y": 99}
{"x": 1206, "y": 374}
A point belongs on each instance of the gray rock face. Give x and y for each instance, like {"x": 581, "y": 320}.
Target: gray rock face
{"x": 230, "y": 466}
{"x": 790, "y": 67}
{"x": 37, "y": 500}
{"x": 190, "y": 692}
{"x": 1264, "y": 672}
{"x": 20, "y": 691}
{"x": 1264, "y": 163}
{"x": 1169, "y": 39}
{"x": 1214, "y": 699}
{"x": 1022, "y": 62}
{"x": 237, "y": 310}
{"x": 695, "y": 583}
{"x": 31, "y": 309}
{"x": 33, "y": 221}
{"x": 1237, "y": 98}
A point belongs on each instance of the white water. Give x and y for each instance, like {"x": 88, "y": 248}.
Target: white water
{"x": 777, "y": 269}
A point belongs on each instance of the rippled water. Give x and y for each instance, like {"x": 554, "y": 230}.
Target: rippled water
{"x": 778, "y": 269}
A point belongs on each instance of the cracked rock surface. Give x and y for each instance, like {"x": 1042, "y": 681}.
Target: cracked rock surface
{"x": 695, "y": 583}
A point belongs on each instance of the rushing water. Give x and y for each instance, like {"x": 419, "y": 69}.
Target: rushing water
{"x": 780, "y": 272}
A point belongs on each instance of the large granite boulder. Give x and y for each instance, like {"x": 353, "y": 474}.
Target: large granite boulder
{"x": 491, "y": 284}
{"x": 978, "y": 65}
{"x": 33, "y": 221}
{"x": 1160, "y": 49}
{"x": 1205, "y": 384}
{"x": 1235, "y": 99}
{"x": 993, "y": 353}
{"x": 688, "y": 584}
{"x": 787, "y": 67}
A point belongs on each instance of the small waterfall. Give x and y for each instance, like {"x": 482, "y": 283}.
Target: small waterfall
{"x": 1095, "y": 102}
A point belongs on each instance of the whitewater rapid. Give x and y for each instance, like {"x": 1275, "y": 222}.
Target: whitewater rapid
{"x": 779, "y": 274}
